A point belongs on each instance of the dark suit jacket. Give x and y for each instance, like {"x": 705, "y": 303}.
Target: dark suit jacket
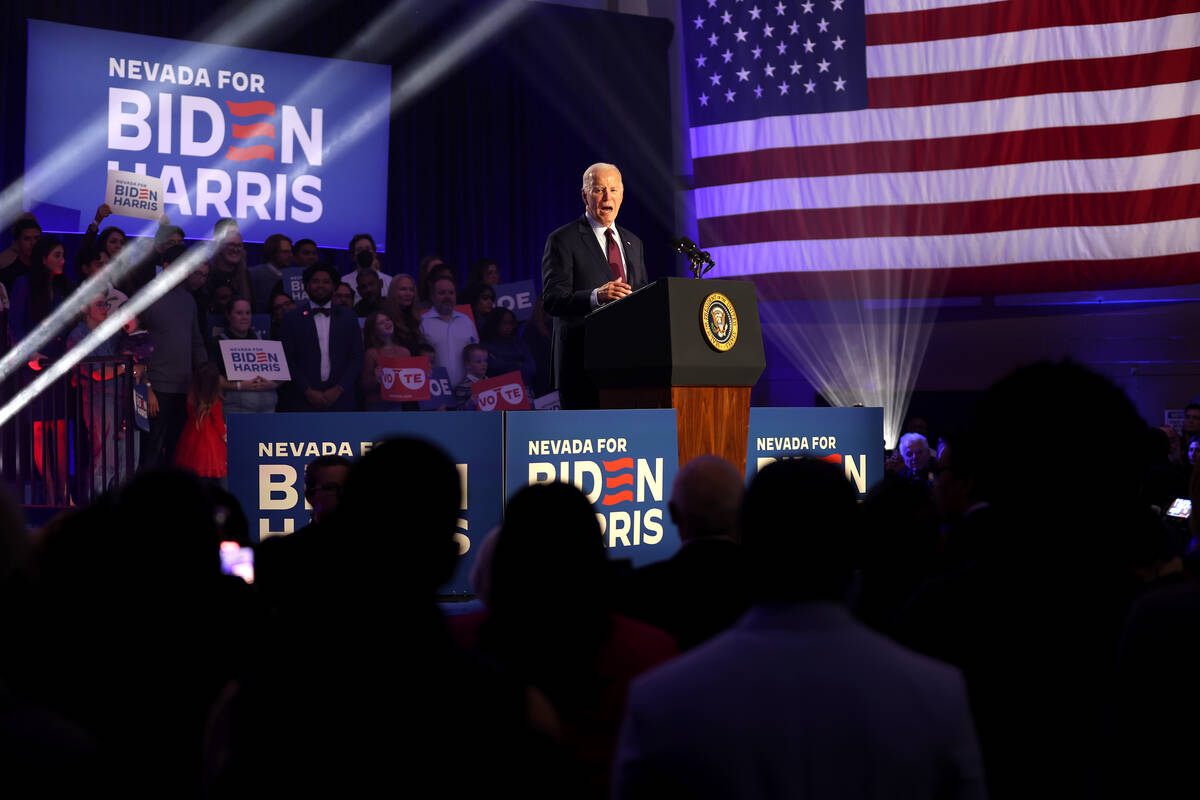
{"x": 798, "y": 701}
{"x": 573, "y": 265}
{"x": 695, "y": 594}
{"x": 299, "y": 335}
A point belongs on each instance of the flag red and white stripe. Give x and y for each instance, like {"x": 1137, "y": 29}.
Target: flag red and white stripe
{"x": 1027, "y": 145}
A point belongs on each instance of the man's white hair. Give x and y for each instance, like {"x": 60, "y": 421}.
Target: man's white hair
{"x": 913, "y": 438}
{"x": 589, "y": 174}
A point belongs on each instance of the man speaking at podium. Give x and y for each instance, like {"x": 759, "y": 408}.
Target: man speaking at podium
{"x": 587, "y": 263}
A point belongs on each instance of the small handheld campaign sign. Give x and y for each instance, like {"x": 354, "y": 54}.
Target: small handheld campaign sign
{"x": 518, "y": 297}
{"x": 141, "y": 408}
{"x": 402, "y": 379}
{"x": 293, "y": 283}
{"x": 502, "y": 393}
{"x": 441, "y": 393}
{"x": 249, "y": 358}
{"x": 548, "y": 402}
{"x": 132, "y": 195}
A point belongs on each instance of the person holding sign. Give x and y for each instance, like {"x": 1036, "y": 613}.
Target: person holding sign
{"x": 587, "y": 263}
{"x": 379, "y": 339}
{"x": 257, "y": 395}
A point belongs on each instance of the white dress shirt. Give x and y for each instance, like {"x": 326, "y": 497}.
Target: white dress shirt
{"x": 598, "y": 228}
{"x": 322, "y": 321}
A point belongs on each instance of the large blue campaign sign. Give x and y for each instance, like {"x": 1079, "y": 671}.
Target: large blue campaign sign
{"x": 268, "y": 454}
{"x": 849, "y": 437}
{"x": 625, "y": 461}
{"x": 281, "y": 142}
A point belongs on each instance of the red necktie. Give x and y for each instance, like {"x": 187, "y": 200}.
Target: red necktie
{"x": 614, "y": 256}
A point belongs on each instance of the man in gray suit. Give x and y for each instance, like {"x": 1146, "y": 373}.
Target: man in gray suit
{"x": 798, "y": 700}
{"x": 587, "y": 263}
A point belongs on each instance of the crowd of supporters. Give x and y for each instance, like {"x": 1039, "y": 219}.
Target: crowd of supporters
{"x": 334, "y": 332}
{"x": 1013, "y": 615}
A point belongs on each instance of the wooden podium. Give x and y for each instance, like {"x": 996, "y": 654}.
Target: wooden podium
{"x": 664, "y": 347}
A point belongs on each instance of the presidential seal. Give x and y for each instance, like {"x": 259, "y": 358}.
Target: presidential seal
{"x": 719, "y": 321}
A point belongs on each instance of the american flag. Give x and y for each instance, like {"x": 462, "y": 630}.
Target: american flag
{"x": 1024, "y": 145}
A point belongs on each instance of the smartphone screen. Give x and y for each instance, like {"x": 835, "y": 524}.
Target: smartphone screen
{"x": 237, "y": 560}
{"x": 1181, "y": 508}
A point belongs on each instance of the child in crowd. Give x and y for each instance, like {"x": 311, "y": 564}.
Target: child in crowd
{"x": 475, "y": 359}
{"x": 201, "y": 447}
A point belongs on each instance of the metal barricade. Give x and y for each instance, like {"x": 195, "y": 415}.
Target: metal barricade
{"x": 76, "y": 439}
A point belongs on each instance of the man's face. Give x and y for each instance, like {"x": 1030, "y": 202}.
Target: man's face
{"x": 26, "y": 241}
{"x": 343, "y": 296}
{"x": 362, "y": 244}
{"x": 197, "y": 279}
{"x": 444, "y": 296}
{"x": 90, "y": 267}
{"x": 327, "y": 494}
{"x": 1191, "y": 420}
{"x": 320, "y": 288}
{"x": 369, "y": 286}
{"x": 603, "y": 197}
{"x": 305, "y": 255}
{"x": 280, "y": 306}
{"x": 283, "y": 256}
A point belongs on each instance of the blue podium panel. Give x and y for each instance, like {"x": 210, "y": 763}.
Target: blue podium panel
{"x": 268, "y": 453}
{"x": 849, "y": 437}
{"x": 625, "y": 461}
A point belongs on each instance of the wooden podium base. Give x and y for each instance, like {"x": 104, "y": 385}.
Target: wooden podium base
{"x": 710, "y": 419}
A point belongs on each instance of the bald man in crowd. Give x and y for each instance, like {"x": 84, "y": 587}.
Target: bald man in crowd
{"x": 700, "y": 590}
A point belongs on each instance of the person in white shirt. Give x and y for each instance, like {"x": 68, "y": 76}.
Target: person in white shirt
{"x": 449, "y": 331}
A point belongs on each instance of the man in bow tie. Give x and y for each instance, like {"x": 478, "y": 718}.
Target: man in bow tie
{"x": 587, "y": 263}
{"x": 324, "y": 348}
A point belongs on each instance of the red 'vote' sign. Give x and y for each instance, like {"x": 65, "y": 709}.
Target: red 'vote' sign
{"x": 403, "y": 379}
{"x": 502, "y": 393}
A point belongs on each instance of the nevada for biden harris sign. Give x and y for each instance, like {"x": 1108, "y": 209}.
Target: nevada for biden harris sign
{"x": 271, "y": 139}
{"x": 268, "y": 454}
{"x": 624, "y": 461}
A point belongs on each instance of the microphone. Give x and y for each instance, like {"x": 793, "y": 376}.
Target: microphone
{"x": 701, "y": 260}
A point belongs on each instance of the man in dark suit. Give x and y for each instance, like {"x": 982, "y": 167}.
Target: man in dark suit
{"x": 798, "y": 699}
{"x": 700, "y": 591}
{"x": 587, "y": 263}
{"x": 324, "y": 348}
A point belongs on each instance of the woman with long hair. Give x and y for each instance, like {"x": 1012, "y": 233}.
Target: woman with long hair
{"x": 482, "y": 299}
{"x": 38, "y": 293}
{"x": 228, "y": 267}
{"x": 35, "y": 296}
{"x": 401, "y": 305}
{"x": 380, "y": 340}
